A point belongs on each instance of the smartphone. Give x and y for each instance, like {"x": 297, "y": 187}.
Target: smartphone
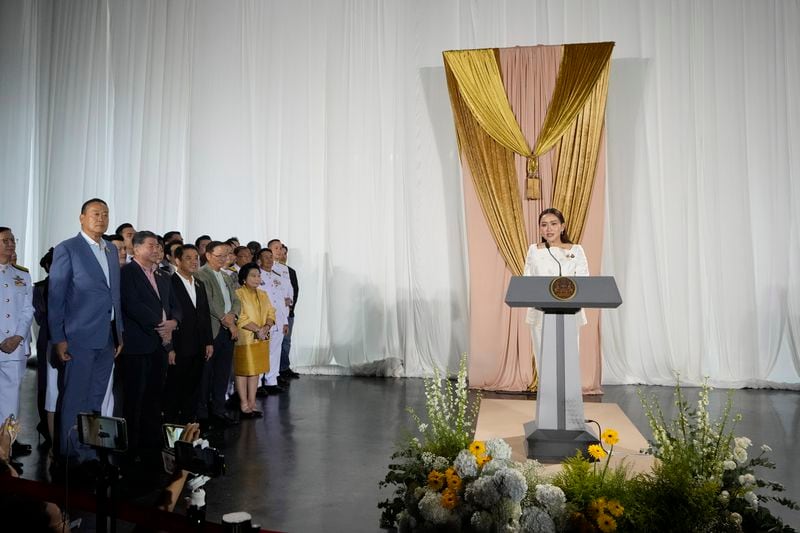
{"x": 172, "y": 434}
{"x": 201, "y": 461}
{"x": 106, "y": 432}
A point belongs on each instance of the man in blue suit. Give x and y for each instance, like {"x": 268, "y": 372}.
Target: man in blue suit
{"x": 85, "y": 318}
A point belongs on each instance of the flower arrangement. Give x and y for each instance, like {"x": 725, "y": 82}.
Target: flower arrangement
{"x": 703, "y": 480}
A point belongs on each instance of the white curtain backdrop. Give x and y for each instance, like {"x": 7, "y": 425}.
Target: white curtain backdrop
{"x": 327, "y": 124}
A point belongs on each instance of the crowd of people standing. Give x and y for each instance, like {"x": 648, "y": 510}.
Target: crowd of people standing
{"x": 145, "y": 327}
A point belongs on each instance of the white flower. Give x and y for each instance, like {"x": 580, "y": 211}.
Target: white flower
{"x": 751, "y": 498}
{"x": 724, "y": 496}
{"x": 729, "y": 465}
{"x": 498, "y": 449}
{"x": 552, "y": 498}
{"x": 493, "y": 466}
{"x": 535, "y": 519}
{"x": 742, "y": 442}
{"x": 482, "y": 492}
{"x": 765, "y": 448}
{"x": 481, "y": 521}
{"x": 740, "y": 454}
{"x": 747, "y": 479}
{"x": 430, "y": 507}
{"x": 440, "y": 463}
{"x": 465, "y": 464}
{"x": 736, "y": 518}
{"x": 423, "y": 428}
{"x": 511, "y": 483}
{"x": 427, "y": 459}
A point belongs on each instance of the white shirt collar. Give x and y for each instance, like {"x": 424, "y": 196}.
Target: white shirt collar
{"x": 92, "y": 242}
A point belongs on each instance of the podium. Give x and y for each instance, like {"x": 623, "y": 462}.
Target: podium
{"x": 560, "y": 428}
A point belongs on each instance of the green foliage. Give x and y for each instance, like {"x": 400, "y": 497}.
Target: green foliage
{"x": 671, "y": 496}
{"x": 451, "y": 415}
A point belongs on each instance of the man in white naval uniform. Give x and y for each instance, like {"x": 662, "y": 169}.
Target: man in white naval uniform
{"x": 276, "y": 288}
{"x": 16, "y": 316}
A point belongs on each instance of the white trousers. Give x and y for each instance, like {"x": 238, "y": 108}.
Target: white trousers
{"x": 275, "y": 344}
{"x": 11, "y": 374}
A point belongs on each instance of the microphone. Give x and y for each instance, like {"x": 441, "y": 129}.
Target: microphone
{"x": 547, "y": 245}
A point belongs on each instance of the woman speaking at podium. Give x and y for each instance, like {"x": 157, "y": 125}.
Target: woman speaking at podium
{"x": 555, "y": 255}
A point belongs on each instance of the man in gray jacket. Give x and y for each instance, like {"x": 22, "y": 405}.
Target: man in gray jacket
{"x": 225, "y": 307}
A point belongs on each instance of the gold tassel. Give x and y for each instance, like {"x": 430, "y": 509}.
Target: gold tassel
{"x": 533, "y": 185}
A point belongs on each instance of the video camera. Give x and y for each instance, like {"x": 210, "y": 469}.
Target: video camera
{"x": 198, "y": 459}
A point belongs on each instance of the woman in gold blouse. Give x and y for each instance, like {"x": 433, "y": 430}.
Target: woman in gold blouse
{"x": 251, "y": 356}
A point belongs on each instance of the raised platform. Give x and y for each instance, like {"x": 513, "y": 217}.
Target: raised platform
{"x": 505, "y": 419}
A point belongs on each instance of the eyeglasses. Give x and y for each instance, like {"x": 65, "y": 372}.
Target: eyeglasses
{"x": 8, "y": 242}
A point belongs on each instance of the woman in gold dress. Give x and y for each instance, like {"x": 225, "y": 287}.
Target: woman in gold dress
{"x": 251, "y": 356}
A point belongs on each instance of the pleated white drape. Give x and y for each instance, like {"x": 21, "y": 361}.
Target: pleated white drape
{"x": 327, "y": 124}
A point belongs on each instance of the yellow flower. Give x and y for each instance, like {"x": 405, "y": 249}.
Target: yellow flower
{"x": 610, "y": 436}
{"x": 454, "y": 482}
{"x": 483, "y": 459}
{"x": 450, "y": 472}
{"x": 477, "y": 448}
{"x": 596, "y": 507}
{"x": 436, "y": 480}
{"x": 449, "y": 499}
{"x": 615, "y": 508}
{"x": 606, "y": 523}
{"x": 597, "y": 451}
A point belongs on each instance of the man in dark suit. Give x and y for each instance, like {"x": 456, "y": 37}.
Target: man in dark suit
{"x": 85, "y": 317}
{"x": 149, "y": 310}
{"x": 192, "y": 342}
{"x": 286, "y": 346}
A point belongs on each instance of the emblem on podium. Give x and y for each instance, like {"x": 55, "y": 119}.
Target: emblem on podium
{"x": 563, "y": 288}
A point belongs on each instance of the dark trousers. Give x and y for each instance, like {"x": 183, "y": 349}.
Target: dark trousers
{"x": 143, "y": 378}
{"x": 216, "y": 376}
{"x": 182, "y": 391}
{"x": 85, "y": 379}
{"x": 286, "y": 346}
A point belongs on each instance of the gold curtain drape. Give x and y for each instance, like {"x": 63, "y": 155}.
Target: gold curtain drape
{"x": 481, "y": 88}
{"x": 494, "y": 176}
{"x": 577, "y": 159}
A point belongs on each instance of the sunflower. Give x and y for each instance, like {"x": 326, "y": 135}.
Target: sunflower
{"x": 615, "y": 508}
{"x": 450, "y": 472}
{"x": 436, "y": 480}
{"x": 483, "y": 459}
{"x": 454, "y": 482}
{"x": 477, "y": 448}
{"x": 449, "y": 499}
{"x": 596, "y": 507}
{"x": 610, "y": 436}
{"x": 596, "y": 451}
{"x": 606, "y": 523}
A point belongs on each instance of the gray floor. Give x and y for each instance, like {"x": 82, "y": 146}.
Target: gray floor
{"x": 314, "y": 461}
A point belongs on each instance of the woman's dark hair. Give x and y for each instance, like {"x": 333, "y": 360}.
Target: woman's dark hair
{"x": 560, "y": 216}
{"x": 244, "y": 271}
{"x": 46, "y": 260}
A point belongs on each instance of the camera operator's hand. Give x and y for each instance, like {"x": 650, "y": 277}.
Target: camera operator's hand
{"x": 8, "y": 433}
{"x": 191, "y": 432}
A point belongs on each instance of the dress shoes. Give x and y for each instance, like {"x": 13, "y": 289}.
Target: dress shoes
{"x": 274, "y": 389}
{"x": 289, "y": 374}
{"x": 224, "y": 420}
{"x": 16, "y": 465}
{"x": 251, "y": 414}
{"x": 18, "y": 449}
{"x": 261, "y": 392}
{"x": 283, "y": 382}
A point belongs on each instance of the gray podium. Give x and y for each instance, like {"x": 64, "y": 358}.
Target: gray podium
{"x": 559, "y": 428}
